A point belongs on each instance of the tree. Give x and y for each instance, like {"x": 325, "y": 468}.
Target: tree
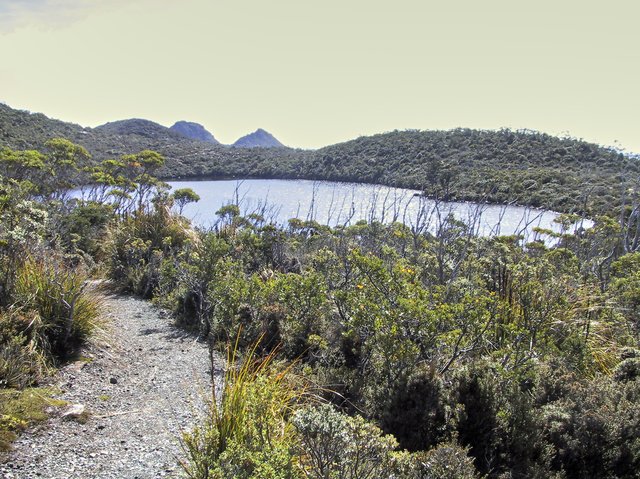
{"x": 184, "y": 196}
{"x": 141, "y": 170}
{"x": 63, "y": 159}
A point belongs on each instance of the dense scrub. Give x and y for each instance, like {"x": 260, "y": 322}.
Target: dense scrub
{"x": 391, "y": 351}
{"x": 47, "y": 307}
{"x": 511, "y": 359}
{"x": 497, "y": 166}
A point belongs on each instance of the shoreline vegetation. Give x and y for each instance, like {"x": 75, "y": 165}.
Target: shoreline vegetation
{"x": 369, "y": 350}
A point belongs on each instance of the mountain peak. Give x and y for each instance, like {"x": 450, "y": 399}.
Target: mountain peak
{"x": 258, "y": 139}
{"x": 139, "y": 127}
{"x": 192, "y": 130}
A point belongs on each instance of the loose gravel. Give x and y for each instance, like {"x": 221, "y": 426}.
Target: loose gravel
{"x": 141, "y": 386}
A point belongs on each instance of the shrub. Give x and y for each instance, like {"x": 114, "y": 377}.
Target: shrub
{"x": 22, "y": 362}
{"x": 415, "y": 411}
{"x": 498, "y": 421}
{"x": 594, "y": 430}
{"x": 141, "y": 243}
{"x": 84, "y": 227}
{"x": 334, "y": 445}
{"x": 445, "y": 461}
{"x": 59, "y": 296}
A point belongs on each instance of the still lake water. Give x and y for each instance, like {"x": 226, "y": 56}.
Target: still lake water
{"x": 335, "y": 203}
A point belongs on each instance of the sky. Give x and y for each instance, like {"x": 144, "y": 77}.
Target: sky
{"x": 315, "y": 73}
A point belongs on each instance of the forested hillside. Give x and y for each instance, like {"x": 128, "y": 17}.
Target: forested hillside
{"x": 503, "y": 166}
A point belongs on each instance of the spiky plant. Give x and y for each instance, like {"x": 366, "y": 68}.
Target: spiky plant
{"x": 59, "y": 295}
{"x": 246, "y": 432}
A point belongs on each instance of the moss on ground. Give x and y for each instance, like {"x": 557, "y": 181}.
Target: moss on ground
{"x": 21, "y": 409}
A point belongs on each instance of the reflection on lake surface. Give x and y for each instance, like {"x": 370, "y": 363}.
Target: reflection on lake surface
{"x": 335, "y": 203}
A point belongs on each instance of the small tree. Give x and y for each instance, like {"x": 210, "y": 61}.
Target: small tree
{"x": 63, "y": 160}
{"x": 183, "y": 196}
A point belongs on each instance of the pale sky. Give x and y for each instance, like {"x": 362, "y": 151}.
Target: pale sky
{"x": 315, "y": 73}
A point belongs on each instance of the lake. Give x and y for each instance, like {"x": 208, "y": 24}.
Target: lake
{"x": 336, "y": 203}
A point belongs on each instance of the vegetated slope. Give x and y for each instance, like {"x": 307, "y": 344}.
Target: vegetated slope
{"x": 192, "y": 130}
{"x": 258, "y": 139}
{"x": 503, "y": 166}
{"x": 498, "y": 166}
{"x": 186, "y": 157}
{"x": 23, "y": 130}
{"x": 139, "y": 127}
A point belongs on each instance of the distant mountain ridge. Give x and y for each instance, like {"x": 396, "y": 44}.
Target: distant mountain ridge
{"x": 195, "y": 131}
{"x": 258, "y": 139}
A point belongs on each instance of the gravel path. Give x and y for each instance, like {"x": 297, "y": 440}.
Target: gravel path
{"x": 141, "y": 387}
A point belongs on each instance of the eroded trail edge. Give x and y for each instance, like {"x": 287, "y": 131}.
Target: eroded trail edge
{"x": 141, "y": 385}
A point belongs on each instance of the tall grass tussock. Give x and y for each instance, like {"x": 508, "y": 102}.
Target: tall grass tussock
{"x": 246, "y": 432}
{"x": 66, "y": 309}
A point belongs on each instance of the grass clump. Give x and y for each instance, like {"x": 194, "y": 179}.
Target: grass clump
{"x": 22, "y": 361}
{"x": 246, "y": 433}
{"x": 21, "y": 409}
{"x": 58, "y": 296}
{"x": 50, "y": 314}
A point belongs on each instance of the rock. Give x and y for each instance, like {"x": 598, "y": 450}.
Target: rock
{"x": 259, "y": 138}
{"x": 195, "y": 131}
{"x": 113, "y": 380}
{"x": 76, "y": 366}
{"x": 74, "y": 412}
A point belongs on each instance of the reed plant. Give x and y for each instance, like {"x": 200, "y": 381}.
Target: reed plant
{"x": 67, "y": 310}
{"x": 246, "y": 432}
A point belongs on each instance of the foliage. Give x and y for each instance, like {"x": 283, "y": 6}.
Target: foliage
{"x": 22, "y": 361}
{"x": 59, "y": 298}
{"x": 336, "y": 446}
{"x": 246, "y": 433}
{"x": 505, "y": 166}
{"x": 445, "y": 461}
{"x": 473, "y": 355}
{"x": 184, "y": 196}
{"x": 83, "y": 229}
{"x": 140, "y": 242}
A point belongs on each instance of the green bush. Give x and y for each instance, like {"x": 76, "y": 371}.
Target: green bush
{"x": 141, "y": 243}
{"x": 84, "y": 228}
{"x": 59, "y": 296}
{"x": 334, "y": 445}
{"x": 446, "y": 461}
{"x": 22, "y": 361}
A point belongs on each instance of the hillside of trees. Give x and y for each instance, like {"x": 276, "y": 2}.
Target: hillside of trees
{"x": 527, "y": 168}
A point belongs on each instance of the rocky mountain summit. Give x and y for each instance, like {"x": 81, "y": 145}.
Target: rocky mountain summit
{"x": 258, "y": 139}
{"x": 195, "y": 131}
